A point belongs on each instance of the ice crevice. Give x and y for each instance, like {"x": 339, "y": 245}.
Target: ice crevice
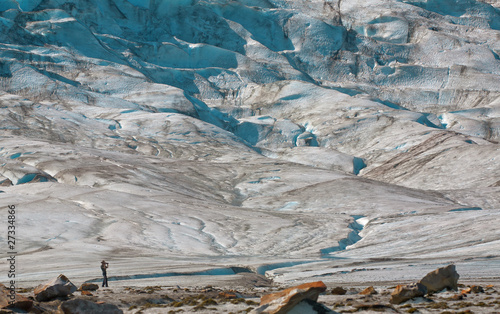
{"x": 358, "y": 164}
{"x": 465, "y": 209}
{"x": 357, "y": 225}
{"x": 214, "y": 245}
{"x": 352, "y": 238}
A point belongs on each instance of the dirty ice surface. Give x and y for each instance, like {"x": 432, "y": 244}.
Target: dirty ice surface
{"x": 351, "y": 141}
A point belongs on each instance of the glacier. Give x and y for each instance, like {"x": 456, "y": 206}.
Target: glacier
{"x": 207, "y": 134}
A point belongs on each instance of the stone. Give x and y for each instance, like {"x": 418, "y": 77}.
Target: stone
{"x": 89, "y": 287}
{"x": 285, "y": 301}
{"x": 88, "y": 293}
{"x": 369, "y": 291}
{"x": 38, "y": 310}
{"x": 374, "y": 307}
{"x": 80, "y": 306}
{"x": 227, "y": 295}
{"x": 404, "y": 293}
{"x": 476, "y": 289}
{"x": 339, "y": 291}
{"x": 441, "y": 278}
{"x": 57, "y": 287}
{"x": 5, "y": 182}
{"x": 20, "y": 302}
{"x": 305, "y": 306}
{"x": 457, "y": 297}
{"x": 310, "y": 307}
{"x": 473, "y": 289}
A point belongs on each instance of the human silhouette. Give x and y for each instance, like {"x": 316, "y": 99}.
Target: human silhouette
{"x": 104, "y": 266}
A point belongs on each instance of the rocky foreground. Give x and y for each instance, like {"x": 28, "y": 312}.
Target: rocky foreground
{"x": 437, "y": 292}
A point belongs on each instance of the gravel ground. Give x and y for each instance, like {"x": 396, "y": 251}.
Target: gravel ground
{"x": 243, "y": 298}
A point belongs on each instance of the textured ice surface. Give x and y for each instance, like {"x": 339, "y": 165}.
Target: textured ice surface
{"x": 176, "y": 137}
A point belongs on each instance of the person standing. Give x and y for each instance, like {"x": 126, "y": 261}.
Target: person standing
{"x": 104, "y": 266}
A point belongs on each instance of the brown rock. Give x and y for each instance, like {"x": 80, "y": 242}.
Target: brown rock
{"x": 80, "y": 306}
{"x": 227, "y": 295}
{"x": 20, "y": 302}
{"x": 374, "y": 307}
{"x": 88, "y": 293}
{"x": 5, "y": 182}
{"x": 441, "y": 278}
{"x": 38, "y": 310}
{"x": 307, "y": 306}
{"x": 476, "y": 289}
{"x": 458, "y": 297}
{"x": 473, "y": 289}
{"x": 404, "y": 293}
{"x": 89, "y": 287}
{"x": 369, "y": 291}
{"x": 57, "y": 287}
{"x": 339, "y": 291}
{"x": 284, "y": 301}
{"x": 312, "y": 290}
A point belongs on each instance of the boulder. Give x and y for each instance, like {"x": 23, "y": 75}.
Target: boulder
{"x": 305, "y": 306}
{"x": 441, "y": 278}
{"x": 20, "y": 302}
{"x": 369, "y": 291}
{"x": 310, "y": 307}
{"x": 285, "y": 301}
{"x": 404, "y": 293}
{"x": 57, "y": 287}
{"x": 80, "y": 306}
{"x": 339, "y": 291}
{"x": 89, "y": 287}
{"x": 5, "y": 182}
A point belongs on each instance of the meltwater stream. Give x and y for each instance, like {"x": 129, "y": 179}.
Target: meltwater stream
{"x": 357, "y": 226}
{"x": 353, "y": 237}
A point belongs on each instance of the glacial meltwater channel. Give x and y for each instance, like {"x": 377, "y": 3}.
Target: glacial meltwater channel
{"x": 353, "y": 237}
{"x": 357, "y": 226}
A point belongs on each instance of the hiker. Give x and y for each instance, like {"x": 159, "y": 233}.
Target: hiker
{"x": 104, "y": 266}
